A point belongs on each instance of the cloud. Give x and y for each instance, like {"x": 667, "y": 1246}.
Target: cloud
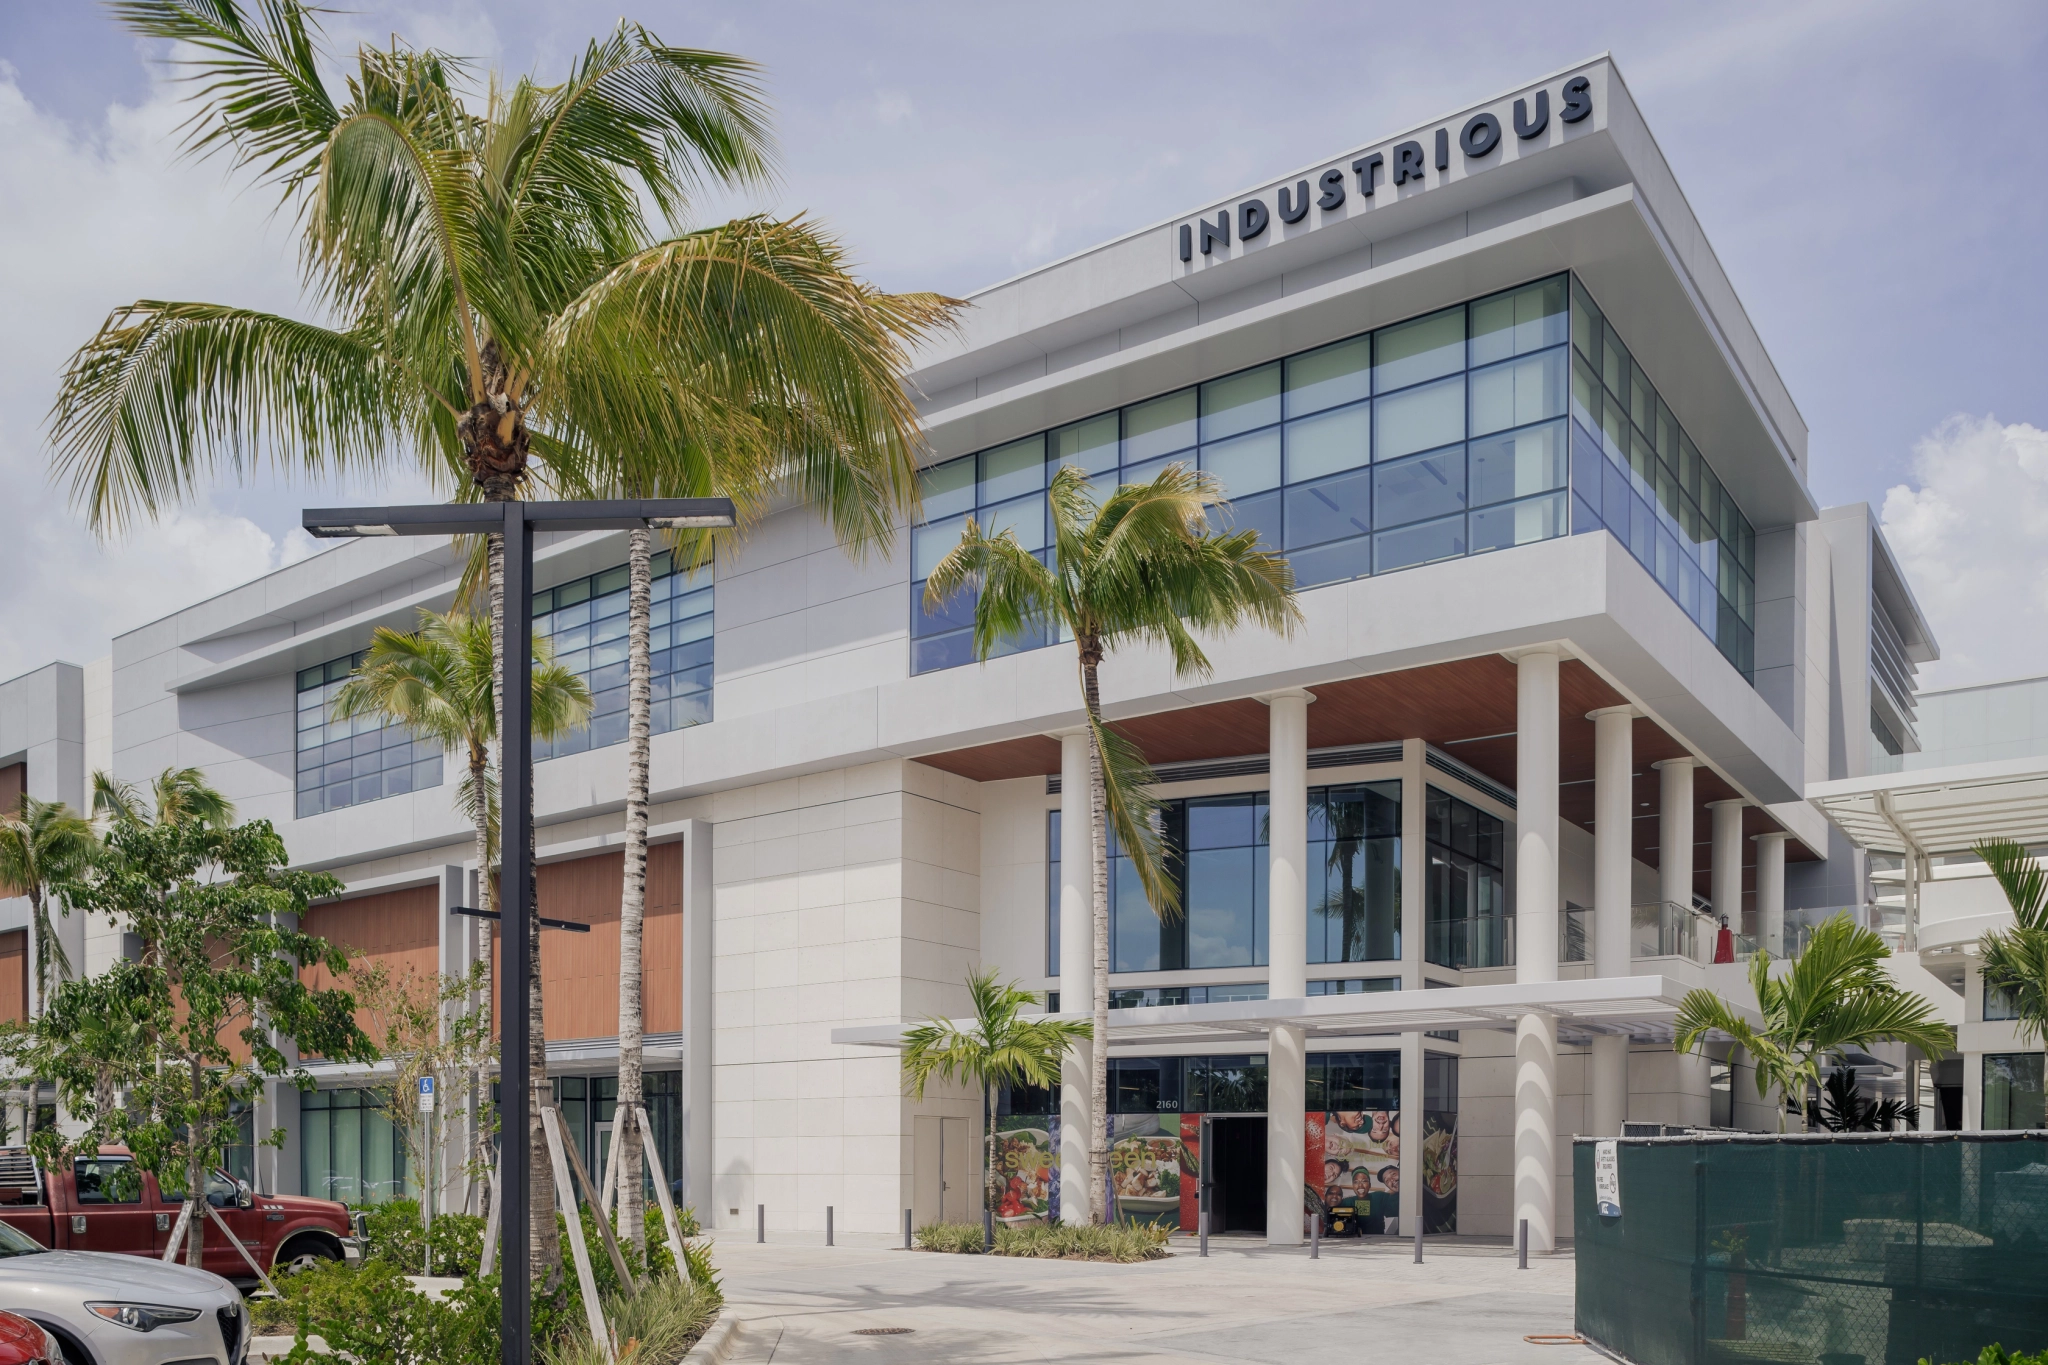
{"x": 1972, "y": 537}
{"x": 97, "y": 218}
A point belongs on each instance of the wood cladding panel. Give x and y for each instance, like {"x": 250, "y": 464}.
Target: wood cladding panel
{"x": 13, "y": 782}
{"x": 397, "y": 929}
{"x": 14, "y": 977}
{"x": 580, "y": 972}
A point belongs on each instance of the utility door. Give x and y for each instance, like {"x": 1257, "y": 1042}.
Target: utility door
{"x": 927, "y": 1178}
{"x": 956, "y": 1168}
{"x": 111, "y": 1213}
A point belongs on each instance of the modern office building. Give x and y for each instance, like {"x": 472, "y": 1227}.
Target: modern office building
{"x": 1576, "y": 641}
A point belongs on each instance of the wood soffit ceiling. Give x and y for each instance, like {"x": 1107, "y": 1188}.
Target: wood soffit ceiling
{"x": 1465, "y": 708}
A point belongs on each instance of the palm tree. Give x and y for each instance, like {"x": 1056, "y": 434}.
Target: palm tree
{"x": 1143, "y": 568}
{"x": 176, "y": 795}
{"x": 42, "y": 843}
{"x": 500, "y": 295}
{"x": 1003, "y": 1046}
{"x": 440, "y": 683}
{"x": 1835, "y": 996}
{"x": 2015, "y": 960}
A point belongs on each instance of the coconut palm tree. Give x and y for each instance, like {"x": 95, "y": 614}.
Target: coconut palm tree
{"x": 1144, "y": 567}
{"x": 503, "y": 311}
{"x": 176, "y": 796}
{"x": 42, "y": 843}
{"x": 1003, "y": 1046}
{"x": 2015, "y": 959}
{"x": 1836, "y": 995}
{"x": 440, "y": 682}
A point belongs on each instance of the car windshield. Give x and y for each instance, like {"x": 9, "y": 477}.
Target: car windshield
{"x": 16, "y": 1243}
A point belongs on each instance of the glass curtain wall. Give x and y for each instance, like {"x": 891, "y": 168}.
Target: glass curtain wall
{"x": 348, "y": 762}
{"x": 1441, "y": 436}
{"x": 1217, "y": 850}
{"x": 349, "y": 1149}
{"x": 1466, "y": 920}
{"x": 584, "y": 620}
{"x": 2013, "y": 1091}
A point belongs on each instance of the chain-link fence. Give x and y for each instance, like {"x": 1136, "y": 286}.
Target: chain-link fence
{"x": 1821, "y": 1250}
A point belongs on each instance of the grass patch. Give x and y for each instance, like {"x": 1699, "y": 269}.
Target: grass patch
{"x": 1120, "y": 1242}
{"x": 655, "y": 1327}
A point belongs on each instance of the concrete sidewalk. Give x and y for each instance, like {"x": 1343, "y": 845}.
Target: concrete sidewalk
{"x": 1466, "y": 1305}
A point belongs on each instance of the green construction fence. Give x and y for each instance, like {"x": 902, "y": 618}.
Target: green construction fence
{"x": 1835, "y": 1249}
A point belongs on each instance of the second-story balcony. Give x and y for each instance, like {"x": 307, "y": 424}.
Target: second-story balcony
{"x": 1656, "y": 929}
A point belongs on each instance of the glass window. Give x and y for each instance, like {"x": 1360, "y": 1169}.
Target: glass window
{"x": 1354, "y": 1082}
{"x": 948, "y": 490}
{"x": 1240, "y": 402}
{"x": 349, "y": 762}
{"x": 1419, "y": 419}
{"x": 1354, "y": 882}
{"x": 1518, "y": 464}
{"x": 1246, "y": 465}
{"x": 1419, "y": 488}
{"x": 1505, "y": 525}
{"x": 1518, "y": 392}
{"x": 1145, "y": 1085}
{"x": 1367, "y": 986}
{"x": 1411, "y": 352}
{"x": 349, "y": 1149}
{"x": 1330, "y": 376}
{"x": 1424, "y": 543}
{"x": 2012, "y": 1091}
{"x": 1226, "y": 1085}
{"x": 1330, "y": 510}
{"x": 587, "y": 631}
{"x": 1007, "y": 471}
{"x": 1465, "y": 920}
{"x": 1023, "y": 517}
{"x": 1518, "y": 322}
{"x": 106, "y": 1180}
{"x": 1998, "y": 1004}
{"x": 1091, "y": 444}
{"x": 1159, "y": 427}
{"x": 1329, "y": 442}
{"x": 1224, "y": 887}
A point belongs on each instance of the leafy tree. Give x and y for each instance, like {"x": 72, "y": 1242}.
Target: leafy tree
{"x": 2015, "y": 959}
{"x": 1004, "y": 1046}
{"x": 506, "y": 314}
{"x": 217, "y": 986}
{"x": 441, "y": 683}
{"x": 1836, "y": 995}
{"x": 41, "y": 843}
{"x": 1142, "y": 568}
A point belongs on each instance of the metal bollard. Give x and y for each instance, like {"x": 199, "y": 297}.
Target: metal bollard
{"x": 906, "y": 1229}
{"x": 828, "y": 1225}
{"x": 1315, "y": 1237}
{"x": 988, "y": 1228}
{"x": 760, "y": 1222}
{"x": 1203, "y": 1223}
{"x": 1418, "y": 1241}
{"x": 1522, "y": 1245}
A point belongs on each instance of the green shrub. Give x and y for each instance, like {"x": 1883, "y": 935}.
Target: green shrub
{"x": 1124, "y": 1242}
{"x": 371, "y": 1315}
{"x": 1995, "y": 1354}
{"x": 960, "y": 1238}
{"x": 394, "y": 1234}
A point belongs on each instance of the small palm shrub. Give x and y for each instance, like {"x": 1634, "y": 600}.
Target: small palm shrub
{"x": 1123, "y": 1242}
{"x": 959, "y": 1238}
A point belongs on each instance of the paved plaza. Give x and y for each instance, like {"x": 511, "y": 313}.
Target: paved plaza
{"x": 804, "y": 1303}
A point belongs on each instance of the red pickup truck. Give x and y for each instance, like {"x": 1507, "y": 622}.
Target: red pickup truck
{"x": 108, "y": 1203}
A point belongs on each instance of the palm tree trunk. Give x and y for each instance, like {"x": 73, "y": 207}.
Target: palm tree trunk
{"x": 1098, "y": 819}
{"x": 633, "y": 902}
{"x": 487, "y": 895}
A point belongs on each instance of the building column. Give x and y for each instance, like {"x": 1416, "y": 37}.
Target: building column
{"x": 1770, "y": 892}
{"x": 1613, "y": 890}
{"x": 1287, "y": 952}
{"x": 1536, "y": 908}
{"x": 1725, "y": 878}
{"x": 1077, "y": 971}
{"x": 1674, "y": 831}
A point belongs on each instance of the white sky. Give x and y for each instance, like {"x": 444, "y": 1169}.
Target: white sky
{"x": 1868, "y": 174}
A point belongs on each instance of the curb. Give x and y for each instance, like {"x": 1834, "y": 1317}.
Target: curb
{"x": 718, "y": 1344}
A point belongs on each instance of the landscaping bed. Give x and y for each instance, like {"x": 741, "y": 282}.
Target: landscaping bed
{"x": 1118, "y": 1242}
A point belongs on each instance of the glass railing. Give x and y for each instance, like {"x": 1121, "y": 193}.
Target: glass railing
{"x": 1800, "y": 925}
{"x": 1668, "y": 929}
{"x": 1489, "y": 941}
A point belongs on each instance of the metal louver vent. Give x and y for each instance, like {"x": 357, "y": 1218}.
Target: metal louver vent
{"x": 1253, "y": 765}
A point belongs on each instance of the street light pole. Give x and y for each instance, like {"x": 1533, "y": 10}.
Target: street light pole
{"x": 517, "y": 521}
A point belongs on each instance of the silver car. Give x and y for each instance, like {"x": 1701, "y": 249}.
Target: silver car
{"x": 122, "y": 1310}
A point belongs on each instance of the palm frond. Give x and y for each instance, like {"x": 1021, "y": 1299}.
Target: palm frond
{"x": 2021, "y": 877}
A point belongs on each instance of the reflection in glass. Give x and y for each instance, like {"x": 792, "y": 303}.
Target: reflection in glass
{"x": 1411, "y": 352}
{"x": 1329, "y": 442}
{"x": 1419, "y": 488}
{"x": 1239, "y": 402}
{"x": 1158, "y": 427}
{"x": 1329, "y": 376}
{"x": 1418, "y": 419}
{"x": 1248, "y": 464}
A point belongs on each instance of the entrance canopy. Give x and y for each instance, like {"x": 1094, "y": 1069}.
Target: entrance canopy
{"x": 1642, "y": 1007}
{"x": 1941, "y": 810}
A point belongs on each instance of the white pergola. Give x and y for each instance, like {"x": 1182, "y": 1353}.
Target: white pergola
{"x": 1640, "y": 1007}
{"x": 1940, "y": 810}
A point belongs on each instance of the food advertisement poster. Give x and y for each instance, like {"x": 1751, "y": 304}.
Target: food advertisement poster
{"x": 1028, "y": 1161}
{"x": 1440, "y": 1171}
{"x": 1147, "y": 1171}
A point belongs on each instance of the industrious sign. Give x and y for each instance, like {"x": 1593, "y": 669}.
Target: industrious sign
{"x": 1413, "y": 164}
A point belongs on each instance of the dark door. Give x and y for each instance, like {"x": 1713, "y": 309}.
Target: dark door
{"x": 111, "y": 1213}
{"x": 1238, "y": 1149}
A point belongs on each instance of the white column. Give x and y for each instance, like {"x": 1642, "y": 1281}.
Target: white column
{"x": 1536, "y": 906}
{"x": 1287, "y": 952}
{"x": 1674, "y": 831}
{"x": 1770, "y": 892}
{"x": 1077, "y": 970}
{"x": 1725, "y": 880}
{"x": 1613, "y": 890}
